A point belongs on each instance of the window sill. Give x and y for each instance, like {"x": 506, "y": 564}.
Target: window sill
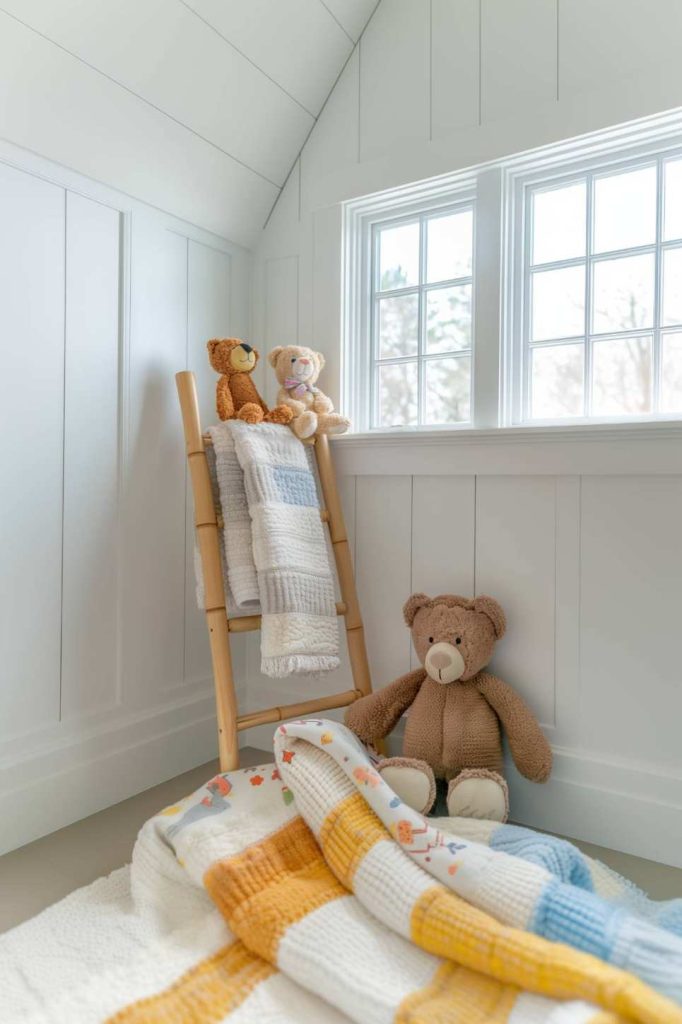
{"x": 627, "y": 431}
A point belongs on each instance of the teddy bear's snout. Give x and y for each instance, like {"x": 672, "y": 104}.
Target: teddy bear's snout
{"x": 444, "y": 663}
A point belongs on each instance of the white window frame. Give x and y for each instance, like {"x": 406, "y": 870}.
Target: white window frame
{"x": 420, "y": 289}
{"x": 363, "y": 223}
{"x": 521, "y": 270}
{"x": 498, "y": 190}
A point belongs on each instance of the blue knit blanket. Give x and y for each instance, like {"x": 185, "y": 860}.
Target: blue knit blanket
{"x": 570, "y": 865}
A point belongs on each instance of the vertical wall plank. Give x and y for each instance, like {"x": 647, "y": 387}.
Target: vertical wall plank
{"x": 518, "y": 56}
{"x": 443, "y": 534}
{"x": 91, "y": 447}
{"x": 31, "y": 447}
{"x": 515, "y": 563}
{"x": 631, "y": 566}
{"x": 334, "y": 141}
{"x": 394, "y": 78}
{"x": 209, "y": 310}
{"x": 603, "y": 40}
{"x": 281, "y": 312}
{"x": 327, "y": 292}
{"x": 153, "y": 606}
{"x": 383, "y": 571}
{"x": 567, "y": 605}
{"x": 455, "y": 65}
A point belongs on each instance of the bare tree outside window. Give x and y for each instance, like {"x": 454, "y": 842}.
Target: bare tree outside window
{"x": 595, "y": 334}
{"x": 422, "y": 321}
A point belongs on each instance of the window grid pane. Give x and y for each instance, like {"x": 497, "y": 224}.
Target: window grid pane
{"x": 630, "y": 338}
{"x": 421, "y": 331}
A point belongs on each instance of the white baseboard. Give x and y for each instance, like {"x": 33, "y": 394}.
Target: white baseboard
{"x": 622, "y": 807}
{"x": 75, "y": 782}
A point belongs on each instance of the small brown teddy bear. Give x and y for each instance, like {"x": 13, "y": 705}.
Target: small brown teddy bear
{"x": 457, "y": 713}
{"x": 236, "y": 395}
{"x": 297, "y": 369}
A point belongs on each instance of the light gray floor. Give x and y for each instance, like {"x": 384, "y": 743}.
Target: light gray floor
{"x": 40, "y": 873}
{"x": 45, "y": 871}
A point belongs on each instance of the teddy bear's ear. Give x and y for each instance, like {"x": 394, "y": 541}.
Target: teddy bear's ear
{"x": 412, "y": 606}
{"x": 274, "y": 355}
{"x": 489, "y": 606}
{"x": 320, "y": 361}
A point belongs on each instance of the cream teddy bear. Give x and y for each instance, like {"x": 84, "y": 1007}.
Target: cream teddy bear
{"x": 297, "y": 369}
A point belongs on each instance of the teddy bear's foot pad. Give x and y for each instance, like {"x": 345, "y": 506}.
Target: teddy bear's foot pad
{"x": 478, "y": 794}
{"x": 414, "y": 784}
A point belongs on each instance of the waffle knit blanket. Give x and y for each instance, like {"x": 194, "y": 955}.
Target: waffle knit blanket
{"x": 330, "y": 901}
{"x": 566, "y": 862}
{"x": 273, "y": 545}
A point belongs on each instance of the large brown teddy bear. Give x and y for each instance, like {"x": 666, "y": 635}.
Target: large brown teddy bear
{"x": 297, "y": 369}
{"x": 457, "y": 712}
{"x": 236, "y": 395}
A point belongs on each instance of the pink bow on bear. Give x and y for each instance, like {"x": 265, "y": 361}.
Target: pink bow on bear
{"x": 299, "y": 387}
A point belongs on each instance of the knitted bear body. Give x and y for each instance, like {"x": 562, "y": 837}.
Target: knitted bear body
{"x": 457, "y": 712}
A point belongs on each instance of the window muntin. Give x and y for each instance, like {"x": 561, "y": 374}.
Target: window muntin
{"x": 421, "y": 331}
{"x": 602, "y": 293}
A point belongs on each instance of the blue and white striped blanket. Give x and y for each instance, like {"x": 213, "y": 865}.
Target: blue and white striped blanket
{"x": 274, "y": 546}
{"x": 569, "y": 865}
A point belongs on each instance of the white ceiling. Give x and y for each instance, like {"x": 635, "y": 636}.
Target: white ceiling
{"x": 245, "y": 78}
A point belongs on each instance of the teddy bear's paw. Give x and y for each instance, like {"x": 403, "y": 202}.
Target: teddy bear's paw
{"x": 250, "y": 413}
{"x": 305, "y": 425}
{"x": 333, "y": 423}
{"x": 411, "y": 780}
{"x": 280, "y": 414}
{"x": 478, "y": 793}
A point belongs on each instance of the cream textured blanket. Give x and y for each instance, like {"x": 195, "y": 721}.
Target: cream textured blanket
{"x": 331, "y": 901}
{"x": 273, "y": 545}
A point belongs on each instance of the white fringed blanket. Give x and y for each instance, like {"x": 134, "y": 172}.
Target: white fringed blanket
{"x": 308, "y": 893}
{"x": 273, "y": 545}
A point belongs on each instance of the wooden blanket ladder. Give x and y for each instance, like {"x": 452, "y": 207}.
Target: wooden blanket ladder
{"x": 230, "y": 722}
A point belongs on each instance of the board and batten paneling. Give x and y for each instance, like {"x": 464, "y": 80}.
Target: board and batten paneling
{"x": 91, "y": 458}
{"x": 455, "y": 103}
{"x": 208, "y": 316}
{"x": 519, "y": 51}
{"x": 32, "y": 215}
{"x": 382, "y": 570}
{"x": 631, "y": 608}
{"x": 394, "y": 77}
{"x": 103, "y": 301}
{"x": 154, "y": 511}
{"x": 515, "y": 563}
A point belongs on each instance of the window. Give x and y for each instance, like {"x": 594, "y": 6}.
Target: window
{"x": 603, "y": 294}
{"x": 421, "y": 320}
{"x": 542, "y": 289}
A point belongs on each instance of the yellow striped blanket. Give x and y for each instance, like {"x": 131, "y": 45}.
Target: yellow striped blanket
{"x": 331, "y": 902}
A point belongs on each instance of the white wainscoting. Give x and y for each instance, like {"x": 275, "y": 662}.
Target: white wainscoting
{"x": 587, "y": 566}
{"x": 106, "y": 685}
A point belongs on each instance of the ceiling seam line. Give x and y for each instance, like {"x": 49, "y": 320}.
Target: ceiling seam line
{"x": 247, "y": 58}
{"x": 148, "y": 103}
{"x": 333, "y": 16}
{"x": 329, "y": 95}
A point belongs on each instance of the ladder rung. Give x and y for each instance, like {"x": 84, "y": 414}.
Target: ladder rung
{"x": 208, "y": 441}
{"x": 247, "y": 623}
{"x": 307, "y": 707}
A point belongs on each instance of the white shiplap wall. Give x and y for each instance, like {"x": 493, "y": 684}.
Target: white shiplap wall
{"x": 105, "y": 684}
{"x": 578, "y": 537}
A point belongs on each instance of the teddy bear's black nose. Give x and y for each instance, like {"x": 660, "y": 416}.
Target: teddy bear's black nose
{"x": 247, "y": 348}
